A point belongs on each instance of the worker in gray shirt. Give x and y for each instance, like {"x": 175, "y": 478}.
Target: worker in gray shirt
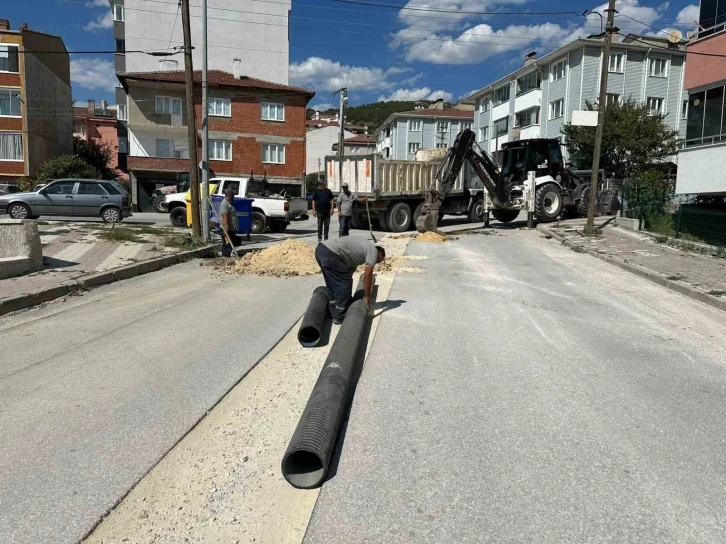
{"x": 345, "y": 208}
{"x": 338, "y": 259}
{"x": 228, "y": 217}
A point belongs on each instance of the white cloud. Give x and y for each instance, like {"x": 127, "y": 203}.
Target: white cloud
{"x": 457, "y": 18}
{"x": 322, "y": 107}
{"x": 97, "y": 4}
{"x": 93, "y": 73}
{"x": 325, "y": 74}
{"x": 688, "y": 15}
{"x": 102, "y": 22}
{"x": 424, "y": 93}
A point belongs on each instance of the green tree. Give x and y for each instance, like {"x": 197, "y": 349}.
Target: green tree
{"x": 67, "y": 166}
{"x": 98, "y": 155}
{"x": 633, "y": 142}
{"x": 311, "y": 182}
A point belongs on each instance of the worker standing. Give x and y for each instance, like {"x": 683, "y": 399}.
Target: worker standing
{"x": 228, "y": 218}
{"x": 338, "y": 259}
{"x": 345, "y": 208}
{"x": 323, "y": 206}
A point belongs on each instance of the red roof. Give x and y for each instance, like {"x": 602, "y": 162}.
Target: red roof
{"x": 326, "y": 123}
{"x": 450, "y": 112}
{"x": 216, "y": 78}
{"x": 360, "y": 139}
{"x": 81, "y": 112}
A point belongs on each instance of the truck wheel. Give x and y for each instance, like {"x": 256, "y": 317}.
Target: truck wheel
{"x": 278, "y": 226}
{"x": 382, "y": 221}
{"x": 417, "y": 212}
{"x": 259, "y": 223}
{"x": 505, "y": 216}
{"x": 399, "y": 217}
{"x": 354, "y": 221}
{"x": 476, "y": 213}
{"x": 548, "y": 202}
{"x": 178, "y": 216}
{"x": 158, "y": 204}
{"x": 584, "y": 203}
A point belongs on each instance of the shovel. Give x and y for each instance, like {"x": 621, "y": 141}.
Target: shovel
{"x": 370, "y": 227}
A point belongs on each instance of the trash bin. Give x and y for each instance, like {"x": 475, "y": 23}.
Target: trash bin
{"x": 243, "y": 207}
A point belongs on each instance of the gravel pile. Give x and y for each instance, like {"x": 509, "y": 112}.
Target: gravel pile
{"x": 431, "y": 237}
{"x": 291, "y": 258}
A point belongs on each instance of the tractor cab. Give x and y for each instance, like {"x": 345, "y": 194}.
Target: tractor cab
{"x": 543, "y": 156}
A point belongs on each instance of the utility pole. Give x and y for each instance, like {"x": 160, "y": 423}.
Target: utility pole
{"x": 601, "y": 105}
{"x": 205, "y": 129}
{"x": 341, "y": 137}
{"x": 191, "y": 120}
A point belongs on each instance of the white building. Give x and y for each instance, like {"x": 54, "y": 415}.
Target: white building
{"x": 539, "y": 98}
{"x": 319, "y": 144}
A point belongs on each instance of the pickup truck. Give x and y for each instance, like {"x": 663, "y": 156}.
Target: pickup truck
{"x": 268, "y": 210}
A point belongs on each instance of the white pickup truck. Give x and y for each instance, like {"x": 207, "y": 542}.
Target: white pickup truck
{"x": 268, "y": 210}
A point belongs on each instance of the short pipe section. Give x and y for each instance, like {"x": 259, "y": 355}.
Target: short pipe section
{"x": 311, "y": 328}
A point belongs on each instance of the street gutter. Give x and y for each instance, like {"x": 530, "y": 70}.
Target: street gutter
{"x": 643, "y": 272}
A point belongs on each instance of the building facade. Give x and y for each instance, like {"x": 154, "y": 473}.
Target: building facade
{"x": 323, "y": 133}
{"x": 96, "y": 124}
{"x": 35, "y": 101}
{"x": 255, "y": 127}
{"x": 402, "y": 134}
{"x": 537, "y": 100}
{"x": 360, "y": 144}
{"x": 702, "y": 159}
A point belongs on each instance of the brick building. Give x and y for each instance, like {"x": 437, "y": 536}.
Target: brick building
{"x": 702, "y": 161}
{"x": 255, "y": 126}
{"x": 35, "y": 100}
{"x": 96, "y": 124}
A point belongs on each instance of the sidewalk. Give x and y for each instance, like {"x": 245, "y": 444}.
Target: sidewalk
{"x": 700, "y": 276}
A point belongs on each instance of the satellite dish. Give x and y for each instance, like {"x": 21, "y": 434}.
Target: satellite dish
{"x": 675, "y": 36}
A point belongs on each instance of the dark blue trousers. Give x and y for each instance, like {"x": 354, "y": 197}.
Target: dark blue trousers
{"x": 344, "y": 225}
{"x": 338, "y": 280}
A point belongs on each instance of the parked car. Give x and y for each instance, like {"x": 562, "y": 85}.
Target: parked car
{"x": 9, "y": 188}
{"x": 74, "y": 197}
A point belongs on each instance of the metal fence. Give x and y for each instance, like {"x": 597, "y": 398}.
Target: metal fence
{"x": 704, "y": 224}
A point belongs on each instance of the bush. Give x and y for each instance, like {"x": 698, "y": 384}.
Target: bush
{"x": 660, "y": 223}
{"x": 26, "y": 184}
{"x": 67, "y": 166}
{"x": 97, "y": 154}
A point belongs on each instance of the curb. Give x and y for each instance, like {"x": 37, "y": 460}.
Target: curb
{"x": 645, "y": 273}
{"x": 28, "y": 300}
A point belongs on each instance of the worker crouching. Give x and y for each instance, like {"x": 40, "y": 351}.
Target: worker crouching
{"x": 338, "y": 259}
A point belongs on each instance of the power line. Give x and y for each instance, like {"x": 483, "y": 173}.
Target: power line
{"x": 443, "y": 10}
{"x": 645, "y": 41}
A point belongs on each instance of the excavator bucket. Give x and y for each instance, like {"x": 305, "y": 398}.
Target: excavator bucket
{"x": 428, "y": 220}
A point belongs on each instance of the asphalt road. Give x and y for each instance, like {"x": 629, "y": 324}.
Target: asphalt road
{"x": 95, "y": 390}
{"x": 519, "y": 392}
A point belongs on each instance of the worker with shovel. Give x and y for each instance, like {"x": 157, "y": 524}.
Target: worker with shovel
{"x": 338, "y": 259}
{"x": 228, "y": 223}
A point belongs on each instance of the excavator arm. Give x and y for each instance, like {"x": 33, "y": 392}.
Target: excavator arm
{"x": 461, "y": 151}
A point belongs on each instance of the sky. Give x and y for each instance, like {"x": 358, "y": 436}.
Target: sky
{"x": 378, "y": 49}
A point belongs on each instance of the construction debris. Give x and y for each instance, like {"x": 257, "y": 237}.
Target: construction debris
{"x": 290, "y": 258}
{"x": 431, "y": 237}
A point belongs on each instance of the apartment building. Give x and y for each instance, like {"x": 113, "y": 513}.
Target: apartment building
{"x": 323, "y": 133}
{"x": 702, "y": 160}
{"x": 35, "y": 100}
{"x": 98, "y": 124}
{"x": 255, "y": 126}
{"x": 404, "y": 133}
{"x": 360, "y": 144}
{"x": 536, "y": 100}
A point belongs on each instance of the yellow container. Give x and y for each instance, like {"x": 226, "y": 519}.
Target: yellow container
{"x": 188, "y": 200}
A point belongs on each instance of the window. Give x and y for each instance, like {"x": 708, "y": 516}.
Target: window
{"x": 655, "y": 105}
{"x": 413, "y": 147}
{"x": 441, "y": 146}
{"x": 87, "y": 188}
{"x": 557, "y": 108}
{"x": 118, "y": 12}
{"x": 465, "y": 126}
{"x": 123, "y": 144}
{"x": 221, "y": 107}
{"x": 273, "y": 112}
{"x": 355, "y": 149}
{"x": 60, "y": 188}
{"x": 612, "y": 98}
{"x": 712, "y": 112}
{"x": 501, "y": 127}
{"x": 694, "y": 127}
{"x": 166, "y": 65}
{"x": 79, "y": 128}
{"x": 111, "y": 188}
{"x": 658, "y": 67}
{"x": 8, "y": 58}
{"x": 483, "y": 134}
{"x": 121, "y": 112}
{"x": 442, "y": 126}
{"x": 166, "y": 104}
{"x": 501, "y": 95}
{"x": 164, "y": 148}
{"x": 9, "y": 102}
{"x": 11, "y": 146}
{"x": 231, "y": 184}
{"x": 220, "y": 150}
{"x": 529, "y": 82}
{"x": 486, "y": 103}
{"x": 684, "y": 110}
{"x": 558, "y": 70}
{"x": 120, "y": 46}
{"x": 616, "y": 63}
{"x": 414, "y": 125}
{"x": 273, "y": 153}
{"x": 527, "y": 118}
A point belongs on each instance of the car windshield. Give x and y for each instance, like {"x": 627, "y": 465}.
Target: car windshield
{"x": 514, "y": 161}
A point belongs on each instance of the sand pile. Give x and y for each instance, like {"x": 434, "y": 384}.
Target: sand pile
{"x": 431, "y": 237}
{"x": 291, "y": 258}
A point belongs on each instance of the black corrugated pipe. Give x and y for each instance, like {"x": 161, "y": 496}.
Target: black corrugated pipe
{"x": 311, "y": 328}
{"x": 308, "y": 455}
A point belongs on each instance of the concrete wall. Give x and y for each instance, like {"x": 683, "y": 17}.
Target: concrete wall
{"x": 320, "y": 144}
{"x": 254, "y": 32}
{"x": 20, "y": 249}
{"x": 701, "y": 170}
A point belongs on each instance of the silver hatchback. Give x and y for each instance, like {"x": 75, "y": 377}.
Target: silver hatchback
{"x": 74, "y": 197}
